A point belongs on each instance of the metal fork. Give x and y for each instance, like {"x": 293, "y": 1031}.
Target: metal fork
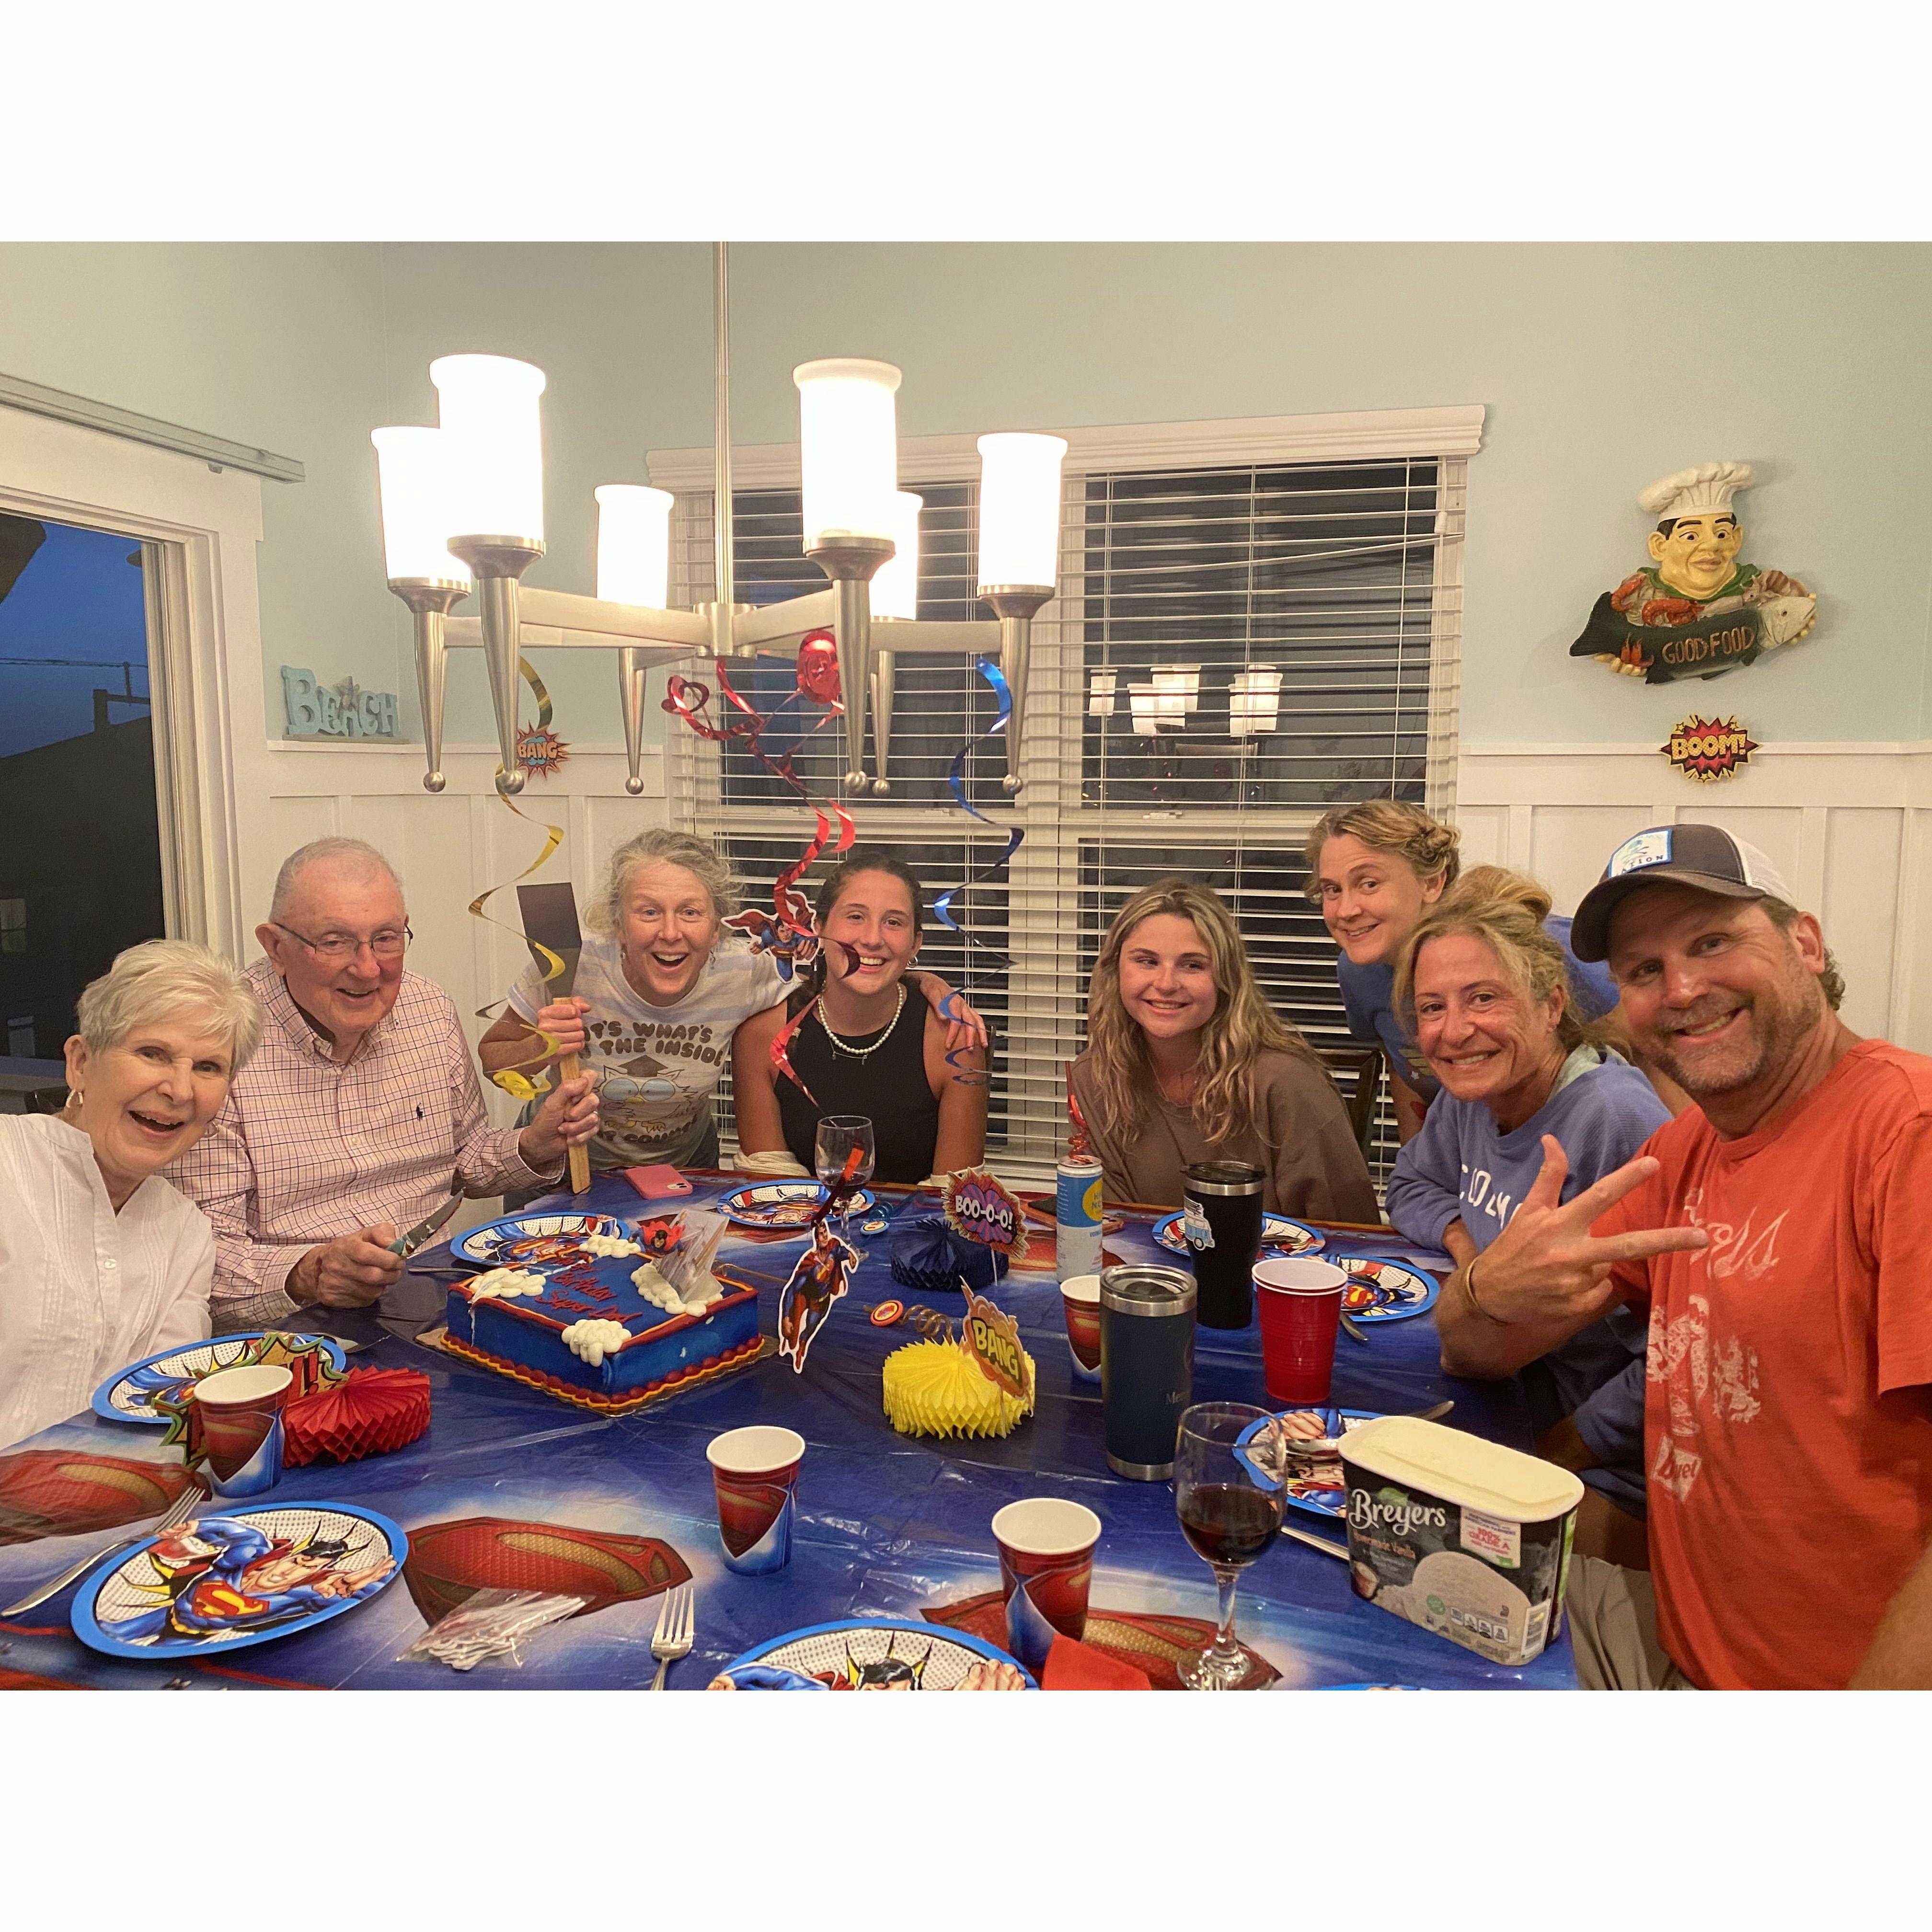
{"x": 672, "y": 1640}
{"x": 183, "y": 1506}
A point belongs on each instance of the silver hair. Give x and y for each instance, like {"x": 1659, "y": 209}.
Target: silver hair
{"x": 361, "y": 857}
{"x": 163, "y": 977}
{"x": 659, "y": 846}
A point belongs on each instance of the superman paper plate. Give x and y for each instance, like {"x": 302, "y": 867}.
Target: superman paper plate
{"x": 1317, "y": 1486}
{"x": 515, "y": 1240}
{"x": 1280, "y": 1236}
{"x": 872, "y": 1653}
{"x": 1385, "y": 1291}
{"x": 768, "y": 1204}
{"x": 130, "y": 1395}
{"x": 235, "y": 1577}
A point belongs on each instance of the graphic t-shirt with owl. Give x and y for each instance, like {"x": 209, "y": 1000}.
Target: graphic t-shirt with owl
{"x": 658, "y": 1066}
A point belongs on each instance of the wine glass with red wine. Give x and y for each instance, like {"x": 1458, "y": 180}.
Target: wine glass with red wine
{"x": 1230, "y": 1514}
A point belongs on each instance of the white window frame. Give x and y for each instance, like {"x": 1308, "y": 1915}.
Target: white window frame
{"x": 1045, "y": 875}
{"x": 198, "y": 523}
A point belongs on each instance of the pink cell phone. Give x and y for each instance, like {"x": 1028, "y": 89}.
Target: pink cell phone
{"x": 657, "y": 1183}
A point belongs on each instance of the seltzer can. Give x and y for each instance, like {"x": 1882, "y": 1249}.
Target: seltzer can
{"x": 1076, "y": 1217}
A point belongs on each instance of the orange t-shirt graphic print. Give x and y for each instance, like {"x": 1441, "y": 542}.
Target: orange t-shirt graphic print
{"x": 1787, "y": 1420}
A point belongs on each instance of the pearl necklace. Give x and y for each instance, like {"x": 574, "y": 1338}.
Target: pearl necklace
{"x": 845, "y": 1046}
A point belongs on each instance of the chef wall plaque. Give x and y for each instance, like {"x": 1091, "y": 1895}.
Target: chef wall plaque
{"x": 1695, "y": 610}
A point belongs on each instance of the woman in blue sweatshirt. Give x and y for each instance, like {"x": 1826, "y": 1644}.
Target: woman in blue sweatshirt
{"x": 1483, "y": 985}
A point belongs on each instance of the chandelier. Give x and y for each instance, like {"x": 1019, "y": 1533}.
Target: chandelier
{"x": 463, "y": 514}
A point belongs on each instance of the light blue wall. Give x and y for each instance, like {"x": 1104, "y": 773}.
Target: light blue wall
{"x": 1602, "y": 368}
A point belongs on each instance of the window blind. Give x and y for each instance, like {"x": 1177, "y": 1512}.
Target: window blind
{"x": 1233, "y": 649}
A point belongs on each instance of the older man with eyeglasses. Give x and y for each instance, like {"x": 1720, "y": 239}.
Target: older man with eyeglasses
{"x": 360, "y": 1109}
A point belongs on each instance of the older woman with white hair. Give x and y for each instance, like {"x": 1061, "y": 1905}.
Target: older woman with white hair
{"x": 660, "y": 990}
{"x": 101, "y": 1261}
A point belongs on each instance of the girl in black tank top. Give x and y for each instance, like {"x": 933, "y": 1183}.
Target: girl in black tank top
{"x": 881, "y": 1075}
{"x": 860, "y": 1045}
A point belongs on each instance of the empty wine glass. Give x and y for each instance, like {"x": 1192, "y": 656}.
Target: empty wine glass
{"x": 838, "y": 1135}
{"x": 1230, "y": 1514}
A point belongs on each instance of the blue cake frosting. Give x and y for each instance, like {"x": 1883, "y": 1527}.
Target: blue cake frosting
{"x": 523, "y": 1337}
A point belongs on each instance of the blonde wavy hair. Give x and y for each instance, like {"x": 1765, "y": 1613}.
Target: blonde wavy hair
{"x": 1505, "y": 912}
{"x": 1244, "y": 1025}
{"x": 1385, "y": 825}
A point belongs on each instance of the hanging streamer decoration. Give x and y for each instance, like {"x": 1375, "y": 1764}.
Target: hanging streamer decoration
{"x": 515, "y": 1078}
{"x": 785, "y": 932}
{"x": 1077, "y": 1142}
{"x": 942, "y": 907}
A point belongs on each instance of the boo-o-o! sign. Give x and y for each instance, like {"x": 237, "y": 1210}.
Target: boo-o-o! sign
{"x": 1709, "y": 747}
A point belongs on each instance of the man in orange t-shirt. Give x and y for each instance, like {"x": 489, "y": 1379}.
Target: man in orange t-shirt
{"x": 1777, "y": 1233}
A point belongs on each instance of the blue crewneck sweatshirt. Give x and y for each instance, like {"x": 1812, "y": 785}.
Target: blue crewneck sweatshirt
{"x": 1459, "y": 1167}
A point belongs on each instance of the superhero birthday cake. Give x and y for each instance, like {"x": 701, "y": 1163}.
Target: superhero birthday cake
{"x": 596, "y": 1313}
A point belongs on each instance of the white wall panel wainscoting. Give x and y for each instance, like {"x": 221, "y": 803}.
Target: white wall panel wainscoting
{"x": 1849, "y": 825}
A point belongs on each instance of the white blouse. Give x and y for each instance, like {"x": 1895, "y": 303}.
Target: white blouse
{"x": 84, "y": 1291}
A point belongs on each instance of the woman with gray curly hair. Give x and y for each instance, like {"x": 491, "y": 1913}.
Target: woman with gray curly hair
{"x": 660, "y": 991}
{"x": 101, "y": 1261}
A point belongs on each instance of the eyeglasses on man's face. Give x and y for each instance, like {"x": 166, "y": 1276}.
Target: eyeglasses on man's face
{"x": 391, "y": 943}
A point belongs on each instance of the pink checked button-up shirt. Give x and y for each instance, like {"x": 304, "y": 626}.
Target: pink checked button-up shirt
{"x": 305, "y": 1148}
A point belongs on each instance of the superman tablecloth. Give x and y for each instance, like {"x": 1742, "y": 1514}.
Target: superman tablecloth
{"x": 887, "y": 1526}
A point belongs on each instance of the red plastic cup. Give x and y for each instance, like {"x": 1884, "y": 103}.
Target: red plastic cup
{"x": 1301, "y": 1310}
{"x": 755, "y": 1473}
{"x": 1046, "y": 1570}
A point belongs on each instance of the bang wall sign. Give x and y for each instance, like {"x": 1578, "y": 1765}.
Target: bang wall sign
{"x": 1709, "y": 747}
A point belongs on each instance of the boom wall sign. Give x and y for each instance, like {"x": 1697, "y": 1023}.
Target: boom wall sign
{"x": 1709, "y": 747}
{"x": 1695, "y": 610}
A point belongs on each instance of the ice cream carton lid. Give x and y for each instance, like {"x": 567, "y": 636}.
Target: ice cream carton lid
{"x": 1461, "y": 1468}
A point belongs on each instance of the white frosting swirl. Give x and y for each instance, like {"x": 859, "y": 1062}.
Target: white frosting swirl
{"x": 605, "y": 1247}
{"x": 503, "y": 1284}
{"x": 590, "y": 1342}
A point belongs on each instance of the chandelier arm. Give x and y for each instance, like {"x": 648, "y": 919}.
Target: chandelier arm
{"x": 884, "y": 675}
{"x": 630, "y": 698}
{"x": 1016, "y": 605}
{"x": 429, "y": 601}
{"x": 632, "y": 623}
{"x": 777, "y": 623}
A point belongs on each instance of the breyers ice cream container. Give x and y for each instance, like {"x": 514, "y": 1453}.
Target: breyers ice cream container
{"x": 1467, "y": 1538}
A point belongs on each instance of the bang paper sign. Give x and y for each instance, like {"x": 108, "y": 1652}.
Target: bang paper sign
{"x": 979, "y": 1207}
{"x": 992, "y": 1340}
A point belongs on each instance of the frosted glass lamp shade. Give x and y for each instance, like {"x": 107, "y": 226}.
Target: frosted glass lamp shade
{"x": 633, "y": 544}
{"x": 489, "y": 412}
{"x": 1254, "y": 701}
{"x": 413, "y": 471}
{"x": 1157, "y": 710}
{"x": 896, "y": 588}
{"x": 848, "y": 446}
{"x": 1181, "y": 685}
{"x": 1019, "y": 510}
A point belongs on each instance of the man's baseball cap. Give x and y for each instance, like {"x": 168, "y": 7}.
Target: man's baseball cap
{"x": 1706, "y": 857}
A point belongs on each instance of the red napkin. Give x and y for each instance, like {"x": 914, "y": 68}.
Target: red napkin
{"x": 369, "y": 1412}
{"x": 1079, "y": 1667}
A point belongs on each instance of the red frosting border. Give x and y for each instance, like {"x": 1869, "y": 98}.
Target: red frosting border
{"x": 609, "y": 1404}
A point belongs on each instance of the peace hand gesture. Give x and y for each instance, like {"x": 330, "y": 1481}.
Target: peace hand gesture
{"x": 1546, "y": 1267}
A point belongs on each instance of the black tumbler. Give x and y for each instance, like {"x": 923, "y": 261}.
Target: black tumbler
{"x": 1222, "y": 1223}
{"x": 1147, "y": 1367}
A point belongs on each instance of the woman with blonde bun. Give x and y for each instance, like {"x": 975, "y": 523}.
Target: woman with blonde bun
{"x": 1186, "y": 1061}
